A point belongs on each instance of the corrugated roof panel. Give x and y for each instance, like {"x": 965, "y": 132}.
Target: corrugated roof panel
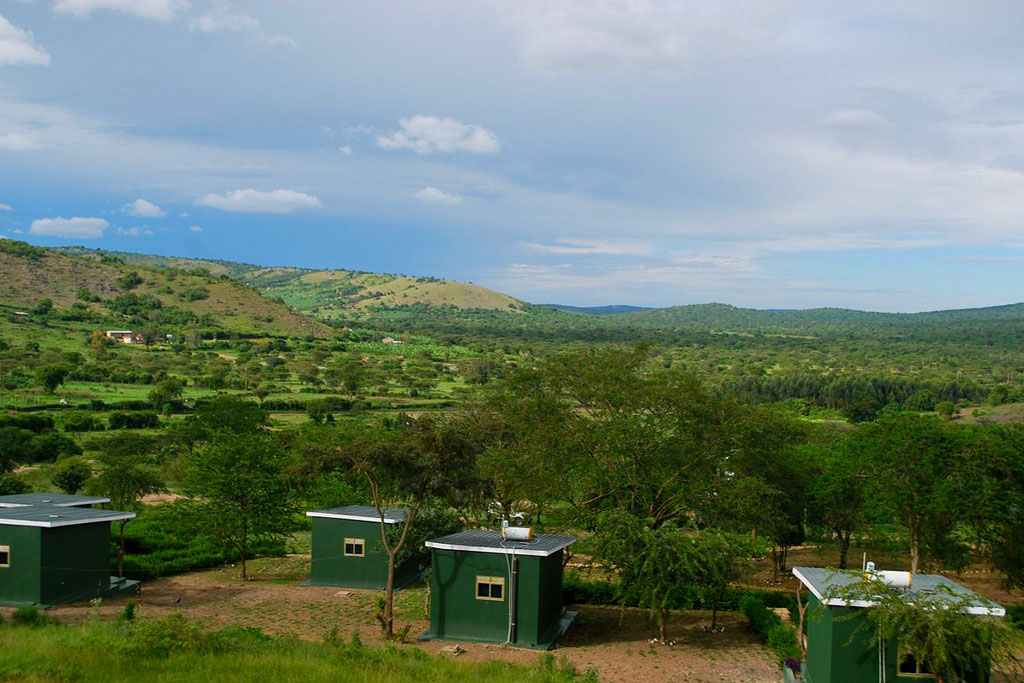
{"x": 487, "y": 541}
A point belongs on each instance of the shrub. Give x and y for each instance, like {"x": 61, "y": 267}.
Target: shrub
{"x": 12, "y": 484}
{"x": 161, "y": 637}
{"x": 29, "y": 615}
{"x": 136, "y": 420}
{"x": 576, "y": 591}
{"x": 781, "y": 639}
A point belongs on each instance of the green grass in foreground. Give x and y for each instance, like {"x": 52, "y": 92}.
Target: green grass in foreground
{"x": 172, "y": 649}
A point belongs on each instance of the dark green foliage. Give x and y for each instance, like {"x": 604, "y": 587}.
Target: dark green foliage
{"x": 576, "y": 591}
{"x": 137, "y": 420}
{"x": 781, "y": 639}
{"x": 85, "y": 295}
{"x": 194, "y": 293}
{"x": 242, "y": 493}
{"x": 134, "y": 304}
{"x": 52, "y": 376}
{"x": 30, "y": 616}
{"x": 129, "y": 281}
{"x": 30, "y": 421}
{"x": 81, "y": 422}
{"x": 12, "y": 484}
{"x": 230, "y": 414}
{"x": 21, "y": 250}
{"x": 71, "y": 475}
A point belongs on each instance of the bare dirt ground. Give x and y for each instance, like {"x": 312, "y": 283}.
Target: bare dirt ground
{"x": 614, "y": 642}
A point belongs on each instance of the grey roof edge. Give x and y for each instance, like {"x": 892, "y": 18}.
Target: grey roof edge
{"x": 112, "y": 517}
{"x": 78, "y": 501}
{"x": 994, "y": 610}
{"x": 354, "y": 518}
{"x": 532, "y": 552}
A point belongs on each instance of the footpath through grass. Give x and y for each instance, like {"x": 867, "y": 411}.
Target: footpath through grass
{"x": 173, "y": 649}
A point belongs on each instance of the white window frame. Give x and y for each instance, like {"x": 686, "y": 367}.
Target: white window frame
{"x": 489, "y": 581}
{"x": 916, "y": 674}
{"x": 6, "y": 549}
{"x": 361, "y": 542}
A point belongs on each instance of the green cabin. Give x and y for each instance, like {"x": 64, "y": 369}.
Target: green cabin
{"x": 488, "y": 590}
{"x": 55, "y": 549}
{"x": 836, "y": 654}
{"x": 348, "y": 551}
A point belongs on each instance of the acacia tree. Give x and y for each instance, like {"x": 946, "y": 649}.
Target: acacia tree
{"x": 838, "y": 475}
{"x": 721, "y": 564}
{"x": 916, "y": 466}
{"x": 418, "y": 460}
{"x": 239, "y": 486}
{"x": 127, "y": 473}
{"x": 656, "y": 566}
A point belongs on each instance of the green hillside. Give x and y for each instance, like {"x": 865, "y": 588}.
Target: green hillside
{"x": 329, "y": 293}
{"x": 111, "y": 292}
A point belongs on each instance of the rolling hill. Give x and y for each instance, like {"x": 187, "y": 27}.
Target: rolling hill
{"x": 90, "y": 286}
{"x": 327, "y": 294}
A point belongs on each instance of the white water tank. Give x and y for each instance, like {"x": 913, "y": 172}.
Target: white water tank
{"x": 516, "y": 533}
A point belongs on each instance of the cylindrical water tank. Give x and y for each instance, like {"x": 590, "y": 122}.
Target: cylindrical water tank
{"x": 517, "y": 533}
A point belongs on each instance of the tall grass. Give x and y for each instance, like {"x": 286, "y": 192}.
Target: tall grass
{"x": 172, "y": 649}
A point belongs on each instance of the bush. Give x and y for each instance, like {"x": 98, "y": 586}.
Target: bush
{"x": 12, "y": 484}
{"x": 576, "y": 591}
{"x": 161, "y": 637}
{"x": 781, "y": 639}
{"x": 81, "y": 422}
{"x": 137, "y": 420}
{"x": 1016, "y": 616}
{"x": 29, "y": 615}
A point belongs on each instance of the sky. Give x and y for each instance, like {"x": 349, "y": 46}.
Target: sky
{"x": 770, "y": 154}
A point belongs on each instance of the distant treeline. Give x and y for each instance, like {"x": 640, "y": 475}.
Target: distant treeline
{"x": 839, "y": 392}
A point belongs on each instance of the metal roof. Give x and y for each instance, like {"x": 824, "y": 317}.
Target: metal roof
{"x": 825, "y": 582}
{"x": 362, "y": 513}
{"x": 486, "y": 541}
{"x": 50, "y": 516}
{"x": 60, "y": 500}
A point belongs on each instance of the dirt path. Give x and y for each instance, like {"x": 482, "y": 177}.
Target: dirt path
{"x": 614, "y": 642}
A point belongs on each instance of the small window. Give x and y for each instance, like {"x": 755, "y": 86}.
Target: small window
{"x": 490, "y": 588}
{"x": 5, "y": 556}
{"x": 910, "y": 667}
{"x": 355, "y": 547}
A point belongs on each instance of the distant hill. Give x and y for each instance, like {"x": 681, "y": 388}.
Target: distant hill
{"x": 328, "y": 293}
{"x": 30, "y": 274}
{"x": 596, "y": 310}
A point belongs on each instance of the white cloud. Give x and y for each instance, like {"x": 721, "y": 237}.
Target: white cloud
{"x": 587, "y": 246}
{"x": 346, "y": 150}
{"x": 85, "y": 228}
{"x": 134, "y": 232}
{"x": 221, "y": 18}
{"x": 195, "y": 228}
{"x": 18, "y": 47}
{"x": 6, "y": 207}
{"x": 437, "y": 196}
{"x": 17, "y": 141}
{"x": 143, "y": 209}
{"x": 428, "y": 134}
{"x": 255, "y": 201}
{"x": 856, "y": 119}
{"x": 648, "y": 35}
{"x": 161, "y": 10}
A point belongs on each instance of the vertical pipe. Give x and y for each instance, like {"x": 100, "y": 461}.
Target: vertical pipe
{"x": 513, "y": 599}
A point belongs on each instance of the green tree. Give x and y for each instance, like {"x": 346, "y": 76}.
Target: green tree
{"x": 52, "y": 376}
{"x": 15, "y": 448}
{"x": 239, "y": 486}
{"x": 408, "y": 465}
{"x": 71, "y": 474}
{"x": 722, "y": 562}
{"x": 43, "y": 307}
{"x": 945, "y": 409}
{"x": 656, "y": 567}
{"x": 230, "y": 414}
{"x": 127, "y": 473}
{"x": 915, "y": 466}
{"x": 838, "y": 478}
{"x": 167, "y": 392}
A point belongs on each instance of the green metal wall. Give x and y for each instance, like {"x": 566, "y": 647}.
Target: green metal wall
{"x": 456, "y": 614}
{"x": 20, "y": 583}
{"x": 330, "y": 567}
{"x": 837, "y": 653}
{"x": 75, "y": 563}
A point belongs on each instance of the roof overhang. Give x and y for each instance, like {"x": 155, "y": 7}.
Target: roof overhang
{"x": 500, "y": 551}
{"x": 56, "y": 522}
{"x": 351, "y": 518}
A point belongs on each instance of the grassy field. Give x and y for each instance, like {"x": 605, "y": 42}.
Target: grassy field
{"x": 173, "y": 650}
